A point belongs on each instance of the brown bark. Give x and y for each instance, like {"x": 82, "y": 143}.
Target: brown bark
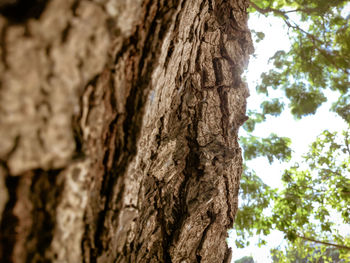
{"x": 118, "y": 129}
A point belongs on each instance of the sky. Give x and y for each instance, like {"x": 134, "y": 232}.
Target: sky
{"x": 302, "y": 132}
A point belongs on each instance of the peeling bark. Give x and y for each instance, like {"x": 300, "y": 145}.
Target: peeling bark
{"x": 118, "y": 129}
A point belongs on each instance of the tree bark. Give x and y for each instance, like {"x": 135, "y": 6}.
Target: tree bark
{"x": 118, "y": 129}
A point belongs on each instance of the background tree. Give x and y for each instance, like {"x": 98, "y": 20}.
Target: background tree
{"x": 318, "y": 61}
{"x": 315, "y": 198}
{"x": 118, "y": 129}
{"x": 245, "y": 260}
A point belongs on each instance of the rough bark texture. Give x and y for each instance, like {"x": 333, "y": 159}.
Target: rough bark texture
{"x": 118, "y": 129}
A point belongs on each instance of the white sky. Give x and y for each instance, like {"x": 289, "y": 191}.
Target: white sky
{"x": 302, "y": 132}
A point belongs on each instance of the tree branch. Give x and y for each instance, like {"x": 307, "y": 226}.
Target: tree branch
{"x": 323, "y": 242}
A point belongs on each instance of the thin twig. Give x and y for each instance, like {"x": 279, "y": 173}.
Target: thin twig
{"x": 347, "y": 142}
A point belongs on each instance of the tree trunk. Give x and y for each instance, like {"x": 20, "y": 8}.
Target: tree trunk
{"x": 118, "y": 129}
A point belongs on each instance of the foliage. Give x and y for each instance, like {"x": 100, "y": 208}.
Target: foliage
{"x": 317, "y": 194}
{"x": 319, "y": 58}
{"x": 272, "y": 147}
{"x": 317, "y": 190}
{"x": 256, "y": 198}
